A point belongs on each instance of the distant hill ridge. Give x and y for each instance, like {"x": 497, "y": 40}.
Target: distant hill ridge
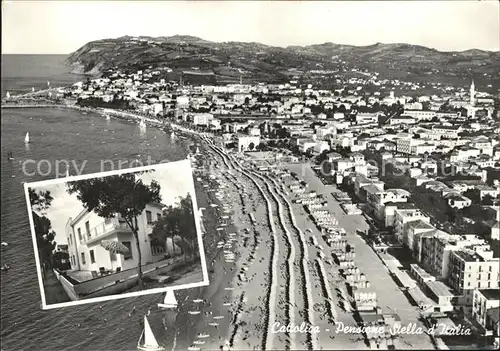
{"x": 269, "y": 63}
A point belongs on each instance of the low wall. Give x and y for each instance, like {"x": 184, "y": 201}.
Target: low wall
{"x": 118, "y": 282}
{"x": 90, "y": 286}
{"x": 67, "y": 286}
{"x": 121, "y": 286}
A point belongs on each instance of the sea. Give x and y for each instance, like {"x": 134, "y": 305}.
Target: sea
{"x": 84, "y": 141}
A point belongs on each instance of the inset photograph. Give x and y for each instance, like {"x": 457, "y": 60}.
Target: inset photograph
{"x": 116, "y": 234}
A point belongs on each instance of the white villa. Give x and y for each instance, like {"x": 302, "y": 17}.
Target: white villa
{"x": 86, "y": 231}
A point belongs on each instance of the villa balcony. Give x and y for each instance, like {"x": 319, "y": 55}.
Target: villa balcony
{"x": 106, "y": 228}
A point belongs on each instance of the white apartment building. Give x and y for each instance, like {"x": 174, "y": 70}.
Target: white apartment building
{"x": 420, "y": 114}
{"x": 485, "y": 310}
{"x": 86, "y": 231}
{"x": 402, "y": 218}
{"x": 245, "y": 142}
{"x": 202, "y": 119}
{"x": 473, "y": 268}
{"x": 436, "y": 250}
{"x": 182, "y": 101}
{"x": 446, "y": 132}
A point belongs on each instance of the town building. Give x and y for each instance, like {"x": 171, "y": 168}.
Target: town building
{"x": 87, "y": 230}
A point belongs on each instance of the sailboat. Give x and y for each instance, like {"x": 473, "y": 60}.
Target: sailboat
{"x": 197, "y": 150}
{"x": 142, "y": 124}
{"x": 108, "y": 117}
{"x": 27, "y": 138}
{"x": 172, "y": 135}
{"x": 147, "y": 341}
{"x": 7, "y": 95}
{"x": 67, "y": 173}
{"x": 32, "y": 89}
{"x": 169, "y": 302}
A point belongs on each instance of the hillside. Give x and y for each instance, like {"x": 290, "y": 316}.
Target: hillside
{"x": 257, "y": 62}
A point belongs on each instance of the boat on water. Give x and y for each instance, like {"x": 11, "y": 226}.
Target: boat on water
{"x": 197, "y": 300}
{"x": 147, "y": 341}
{"x": 7, "y": 95}
{"x": 27, "y": 138}
{"x": 198, "y": 342}
{"x": 5, "y": 243}
{"x": 169, "y": 302}
{"x": 203, "y": 335}
{"x": 193, "y": 348}
{"x": 172, "y": 135}
{"x": 213, "y": 324}
{"x": 142, "y": 124}
{"x": 108, "y": 117}
{"x": 194, "y": 312}
{"x": 219, "y": 317}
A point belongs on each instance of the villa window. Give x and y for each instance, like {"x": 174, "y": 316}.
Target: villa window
{"x": 80, "y": 234}
{"x": 87, "y": 228}
{"x": 128, "y": 245}
{"x": 158, "y": 216}
{"x": 149, "y": 217}
{"x": 83, "y": 258}
{"x": 92, "y": 257}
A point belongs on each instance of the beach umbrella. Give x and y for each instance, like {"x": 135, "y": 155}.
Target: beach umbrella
{"x": 115, "y": 247}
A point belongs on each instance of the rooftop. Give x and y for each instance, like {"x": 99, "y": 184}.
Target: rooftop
{"x": 419, "y": 224}
{"x": 440, "y": 289}
{"x": 402, "y": 205}
{"x": 490, "y": 294}
{"x": 469, "y": 256}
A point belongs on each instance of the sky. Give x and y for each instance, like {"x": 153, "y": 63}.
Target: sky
{"x": 175, "y": 180}
{"x": 61, "y": 27}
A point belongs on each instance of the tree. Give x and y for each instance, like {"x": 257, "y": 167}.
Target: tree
{"x": 177, "y": 221}
{"x": 187, "y": 218}
{"x": 487, "y": 200}
{"x": 251, "y": 146}
{"x": 261, "y": 146}
{"x": 40, "y": 203}
{"x": 125, "y": 195}
{"x": 61, "y": 260}
{"x": 473, "y": 195}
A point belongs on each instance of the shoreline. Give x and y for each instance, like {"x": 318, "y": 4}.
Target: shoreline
{"x": 120, "y": 114}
